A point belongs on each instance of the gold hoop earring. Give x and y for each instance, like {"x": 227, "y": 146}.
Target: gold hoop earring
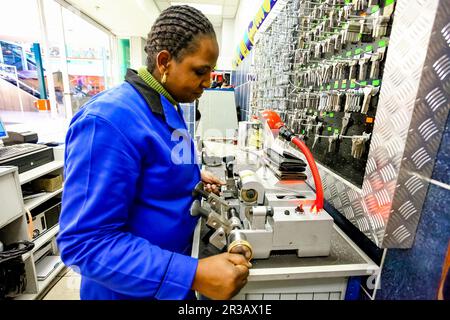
{"x": 164, "y": 78}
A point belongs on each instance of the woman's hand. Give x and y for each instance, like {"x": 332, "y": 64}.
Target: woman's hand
{"x": 211, "y": 182}
{"x": 222, "y": 276}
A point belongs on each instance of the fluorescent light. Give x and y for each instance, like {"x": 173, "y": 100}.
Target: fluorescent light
{"x": 211, "y": 9}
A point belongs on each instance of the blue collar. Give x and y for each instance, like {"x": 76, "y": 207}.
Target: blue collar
{"x": 173, "y": 117}
{"x": 157, "y": 103}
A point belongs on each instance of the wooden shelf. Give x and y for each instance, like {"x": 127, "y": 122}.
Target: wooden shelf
{"x": 40, "y": 171}
{"x": 45, "y": 237}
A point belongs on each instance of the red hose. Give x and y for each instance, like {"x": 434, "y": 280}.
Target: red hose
{"x": 318, "y": 203}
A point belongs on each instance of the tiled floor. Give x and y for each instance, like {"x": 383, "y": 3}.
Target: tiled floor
{"x": 66, "y": 287}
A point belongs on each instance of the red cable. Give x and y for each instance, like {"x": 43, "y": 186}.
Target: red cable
{"x": 318, "y": 203}
{"x": 274, "y": 121}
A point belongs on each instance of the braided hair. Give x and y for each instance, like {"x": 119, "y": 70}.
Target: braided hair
{"x": 175, "y": 31}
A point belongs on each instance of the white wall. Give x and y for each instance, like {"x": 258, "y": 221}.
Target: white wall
{"x": 233, "y": 31}
{"x": 227, "y": 45}
{"x": 246, "y": 13}
{"x": 138, "y": 56}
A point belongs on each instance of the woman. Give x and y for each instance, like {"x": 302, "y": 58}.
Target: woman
{"x": 130, "y": 170}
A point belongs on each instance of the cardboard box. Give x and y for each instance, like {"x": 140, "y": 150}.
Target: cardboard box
{"x": 48, "y": 183}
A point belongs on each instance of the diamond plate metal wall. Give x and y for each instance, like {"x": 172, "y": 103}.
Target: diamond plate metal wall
{"x": 431, "y": 108}
{"x": 413, "y": 108}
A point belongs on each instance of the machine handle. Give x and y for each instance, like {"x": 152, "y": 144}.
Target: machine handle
{"x": 200, "y": 191}
{"x": 197, "y": 210}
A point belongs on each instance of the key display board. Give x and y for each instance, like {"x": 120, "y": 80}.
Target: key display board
{"x": 327, "y": 76}
{"x": 365, "y": 84}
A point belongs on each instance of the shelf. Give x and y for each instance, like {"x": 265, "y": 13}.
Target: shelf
{"x": 40, "y": 171}
{"x": 45, "y": 237}
{"x": 33, "y": 203}
{"x": 42, "y": 285}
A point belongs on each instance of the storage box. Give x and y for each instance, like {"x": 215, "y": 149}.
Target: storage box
{"x": 49, "y": 183}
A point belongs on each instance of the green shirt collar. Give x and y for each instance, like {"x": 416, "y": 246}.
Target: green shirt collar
{"x": 155, "y": 85}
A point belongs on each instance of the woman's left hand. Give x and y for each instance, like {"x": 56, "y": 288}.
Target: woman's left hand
{"x": 211, "y": 182}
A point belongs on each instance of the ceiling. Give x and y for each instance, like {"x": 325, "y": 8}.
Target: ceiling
{"x": 216, "y": 11}
{"x": 135, "y": 17}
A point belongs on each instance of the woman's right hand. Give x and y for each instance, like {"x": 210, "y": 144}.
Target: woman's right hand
{"x": 222, "y": 276}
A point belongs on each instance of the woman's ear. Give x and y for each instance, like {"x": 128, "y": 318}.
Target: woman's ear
{"x": 163, "y": 61}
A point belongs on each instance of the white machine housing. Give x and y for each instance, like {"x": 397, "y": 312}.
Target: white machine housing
{"x": 286, "y": 227}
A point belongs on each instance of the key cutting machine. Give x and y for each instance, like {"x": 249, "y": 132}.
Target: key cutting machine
{"x": 258, "y": 213}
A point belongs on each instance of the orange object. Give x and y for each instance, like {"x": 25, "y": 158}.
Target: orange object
{"x": 42, "y": 104}
{"x": 273, "y": 119}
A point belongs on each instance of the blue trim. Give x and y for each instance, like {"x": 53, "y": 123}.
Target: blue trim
{"x": 353, "y": 288}
{"x": 40, "y": 70}
{"x": 214, "y": 89}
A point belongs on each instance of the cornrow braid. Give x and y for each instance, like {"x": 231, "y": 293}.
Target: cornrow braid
{"x": 175, "y": 30}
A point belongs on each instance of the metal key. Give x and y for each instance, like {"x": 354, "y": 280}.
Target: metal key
{"x": 345, "y": 123}
{"x": 368, "y": 92}
{"x": 316, "y": 139}
{"x": 332, "y": 143}
{"x": 358, "y": 147}
{"x": 380, "y": 25}
{"x": 363, "y": 68}
{"x": 352, "y": 72}
{"x": 375, "y": 67}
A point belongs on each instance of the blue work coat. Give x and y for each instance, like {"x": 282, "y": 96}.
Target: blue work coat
{"x": 125, "y": 221}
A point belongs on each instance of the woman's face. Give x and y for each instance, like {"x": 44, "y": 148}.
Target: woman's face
{"x": 187, "y": 78}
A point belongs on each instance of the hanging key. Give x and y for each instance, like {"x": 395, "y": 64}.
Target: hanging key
{"x": 332, "y": 143}
{"x": 363, "y": 68}
{"x": 346, "y": 123}
{"x": 348, "y": 98}
{"x": 369, "y": 92}
{"x": 358, "y": 146}
{"x": 375, "y": 66}
{"x": 316, "y": 140}
{"x": 379, "y": 57}
{"x": 353, "y": 66}
{"x": 380, "y": 25}
{"x": 339, "y": 101}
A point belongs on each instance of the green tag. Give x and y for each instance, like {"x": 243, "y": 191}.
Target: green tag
{"x": 303, "y": 131}
{"x": 348, "y": 1}
{"x": 358, "y": 51}
{"x": 336, "y": 131}
{"x": 328, "y": 87}
{"x": 363, "y": 83}
{"x": 344, "y": 84}
{"x": 336, "y": 84}
{"x": 348, "y": 54}
{"x": 352, "y": 84}
{"x": 375, "y": 9}
{"x": 324, "y": 114}
{"x": 382, "y": 43}
{"x": 329, "y": 129}
{"x": 331, "y": 115}
{"x": 369, "y": 48}
{"x": 376, "y": 83}
{"x": 388, "y": 2}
